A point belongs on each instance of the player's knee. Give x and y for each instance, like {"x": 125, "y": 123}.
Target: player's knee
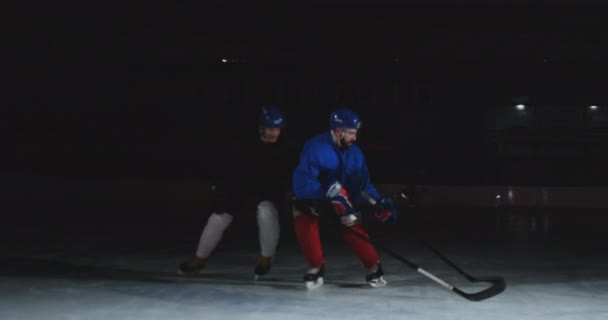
{"x": 221, "y": 220}
{"x": 267, "y": 209}
{"x": 266, "y": 205}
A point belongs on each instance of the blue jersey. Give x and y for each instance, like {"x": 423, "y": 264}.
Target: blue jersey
{"x": 322, "y": 162}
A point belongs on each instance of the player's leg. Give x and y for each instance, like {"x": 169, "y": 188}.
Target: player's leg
{"x": 306, "y": 222}
{"x": 366, "y": 253}
{"x": 212, "y": 233}
{"x": 269, "y": 231}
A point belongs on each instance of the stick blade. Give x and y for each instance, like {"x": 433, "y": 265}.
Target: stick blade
{"x": 498, "y": 286}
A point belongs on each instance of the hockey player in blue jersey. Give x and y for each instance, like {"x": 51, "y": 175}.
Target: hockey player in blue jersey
{"x": 329, "y": 179}
{"x": 257, "y": 180}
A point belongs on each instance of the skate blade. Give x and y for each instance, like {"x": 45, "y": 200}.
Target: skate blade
{"x": 314, "y": 284}
{"x": 378, "y": 283}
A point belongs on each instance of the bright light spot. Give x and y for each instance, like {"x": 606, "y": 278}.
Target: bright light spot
{"x": 224, "y": 60}
{"x": 497, "y": 196}
{"x": 593, "y": 108}
{"x": 520, "y": 107}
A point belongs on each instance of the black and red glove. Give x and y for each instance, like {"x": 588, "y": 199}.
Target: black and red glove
{"x": 384, "y": 210}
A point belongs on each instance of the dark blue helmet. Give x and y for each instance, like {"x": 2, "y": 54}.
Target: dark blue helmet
{"x": 344, "y": 118}
{"x": 271, "y": 117}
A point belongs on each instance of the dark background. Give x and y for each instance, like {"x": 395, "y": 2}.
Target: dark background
{"x": 109, "y": 90}
{"x": 126, "y": 89}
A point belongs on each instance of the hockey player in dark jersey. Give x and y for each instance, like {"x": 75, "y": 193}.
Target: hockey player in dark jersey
{"x": 258, "y": 180}
{"x": 329, "y": 180}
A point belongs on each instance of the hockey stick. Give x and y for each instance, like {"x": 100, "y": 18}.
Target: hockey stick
{"x": 498, "y": 284}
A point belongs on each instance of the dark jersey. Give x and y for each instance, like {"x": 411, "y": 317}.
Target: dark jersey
{"x": 262, "y": 170}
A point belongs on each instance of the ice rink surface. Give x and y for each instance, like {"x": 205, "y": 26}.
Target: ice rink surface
{"x": 109, "y": 277}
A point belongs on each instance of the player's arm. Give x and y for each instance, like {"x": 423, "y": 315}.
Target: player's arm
{"x": 306, "y": 183}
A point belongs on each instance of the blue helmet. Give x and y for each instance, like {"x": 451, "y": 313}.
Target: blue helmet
{"x": 271, "y": 117}
{"x": 344, "y": 118}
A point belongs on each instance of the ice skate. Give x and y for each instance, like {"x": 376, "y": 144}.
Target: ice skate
{"x": 192, "y": 266}
{"x": 375, "y": 276}
{"x": 314, "y": 277}
{"x": 262, "y": 267}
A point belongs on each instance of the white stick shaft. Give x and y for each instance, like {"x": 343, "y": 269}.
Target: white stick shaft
{"x": 368, "y": 198}
{"x": 441, "y": 282}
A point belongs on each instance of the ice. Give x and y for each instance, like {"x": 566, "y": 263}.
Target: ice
{"x": 83, "y": 281}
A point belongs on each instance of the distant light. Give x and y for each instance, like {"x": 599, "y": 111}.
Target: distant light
{"x": 520, "y": 107}
{"x": 224, "y": 60}
{"x": 593, "y": 108}
{"x": 497, "y": 196}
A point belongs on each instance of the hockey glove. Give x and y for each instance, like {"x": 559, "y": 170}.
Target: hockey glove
{"x": 384, "y": 210}
{"x": 342, "y": 205}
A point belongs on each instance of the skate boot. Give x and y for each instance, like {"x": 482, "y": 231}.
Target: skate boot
{"x": 375, "y": 276}
{"x": 262, "y": 267}
{"x": 314, "y": 277}
{"x": 192, "y": 266}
